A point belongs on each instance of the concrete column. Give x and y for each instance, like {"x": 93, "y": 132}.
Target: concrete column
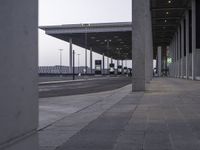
{"x": 174, "y": 55}
{"x": 108, "y": 65}
{"x": 179, "y": 52}
{"x": 148, "y": 44}
{"x": 187, "y": 43}
{"x": 70, "y": 55}
{"x": 182, "y": 48}
{"x": 19, "y": 75}
{"x": 86, "y": 60}
{"x": 193, "y": 39}
{"x": 138, "y": 47}
{"x": 103, "y": 72}
{"x": 159, "y": 57}
{"x": 176, "y": 45}
{"x": 91, "y": 60}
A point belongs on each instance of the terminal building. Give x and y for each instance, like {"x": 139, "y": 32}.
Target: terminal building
{"x": 160, "y": 29}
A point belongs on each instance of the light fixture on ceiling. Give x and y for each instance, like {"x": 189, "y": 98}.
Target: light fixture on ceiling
{"x": 167, "y": 13}
{"x": 116, "y": 36}
{"x": 169, "y": 2}
{"x": 93, "y": 37}
{"x": 119, "y": 40}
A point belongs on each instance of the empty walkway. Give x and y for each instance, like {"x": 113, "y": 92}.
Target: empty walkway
{"x": 165, "y": 117}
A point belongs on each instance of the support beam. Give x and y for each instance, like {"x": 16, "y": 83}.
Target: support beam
{"x": 182, "y": 48}
{"x": 103, "y": 65}
{"x": 138, "y": 46}
{"x": 19, "y": 75}
{"x": 91, "y": 61}
{"x": 108, "y": 65}
{"x": 159, "y": 60}
{"x": 193, "y": 39}
{"x": 187, "y": 23}
{"x": 179, "y": 52}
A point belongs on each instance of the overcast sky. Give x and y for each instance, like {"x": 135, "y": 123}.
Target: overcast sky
{"x": 57, "y": 12}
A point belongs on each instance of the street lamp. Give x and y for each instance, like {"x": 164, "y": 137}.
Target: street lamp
{"x": 60, "y": 60}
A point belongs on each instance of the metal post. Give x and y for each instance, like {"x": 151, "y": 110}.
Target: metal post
{"x": 60, "y": 61}
{"x": 70, "y": 55}
{"x": 73, "y": 64}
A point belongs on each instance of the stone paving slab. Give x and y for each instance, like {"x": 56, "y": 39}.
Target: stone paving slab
{"x": 89, "y": 107}
{"x": 165, "y": 117}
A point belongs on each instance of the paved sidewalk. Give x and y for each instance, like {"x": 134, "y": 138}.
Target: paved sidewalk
{"x": 165, "y": 117}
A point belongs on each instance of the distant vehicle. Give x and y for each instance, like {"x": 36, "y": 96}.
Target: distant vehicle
{"x": 112, "y": 69}
{"x": 119, "y": 69}
{"x": 98, "y": 67}
{"x": 130, "y": 72}
{"x": 125, "y": 70}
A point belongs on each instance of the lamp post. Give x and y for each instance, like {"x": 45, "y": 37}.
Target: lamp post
{"x": 73, "y": 64}
{"x": 60, "y": 61}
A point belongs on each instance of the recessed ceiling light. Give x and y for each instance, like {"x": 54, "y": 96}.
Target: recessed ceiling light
{"x": 165, "y": 21}
{"x": 167, "y": 13}
{"x": 169, "y": 2}
{"x": 93, "y": 37}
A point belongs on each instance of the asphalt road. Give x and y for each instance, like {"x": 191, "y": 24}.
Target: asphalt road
{"x": 83, "y": 87}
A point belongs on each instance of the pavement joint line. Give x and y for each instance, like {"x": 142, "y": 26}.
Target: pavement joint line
{"x": 68, "y": 81}
{"x": 105, "y": 112}
{"x": 114, "y": 92}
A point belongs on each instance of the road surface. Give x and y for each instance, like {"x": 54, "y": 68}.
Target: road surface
{"x": 83, "y": 86}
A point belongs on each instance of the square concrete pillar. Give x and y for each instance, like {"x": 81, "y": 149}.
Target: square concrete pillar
{"x": 103, "y": 65}
{"x": 179, "y": 51}
{"x": 182, "y": 48}
{"x": 187, "y": 23}
{"x": 19, "y": 74}
{"x": 139, "y": 21}
{"x": 159, "y": 59}
{"x": 91, "y": 60}
{"x": 194, "y": 39}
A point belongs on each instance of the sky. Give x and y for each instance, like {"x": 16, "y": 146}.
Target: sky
{"x": 57, "y": 12}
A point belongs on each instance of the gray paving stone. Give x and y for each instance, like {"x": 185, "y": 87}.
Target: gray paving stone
{"x": 165, "y": 117}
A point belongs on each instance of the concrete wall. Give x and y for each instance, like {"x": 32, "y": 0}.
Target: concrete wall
{"x": 18, "y": 86}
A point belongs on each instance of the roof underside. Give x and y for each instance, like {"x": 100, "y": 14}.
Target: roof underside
{"x": 112, "y": 39}
{"x": 166, "y": 17}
